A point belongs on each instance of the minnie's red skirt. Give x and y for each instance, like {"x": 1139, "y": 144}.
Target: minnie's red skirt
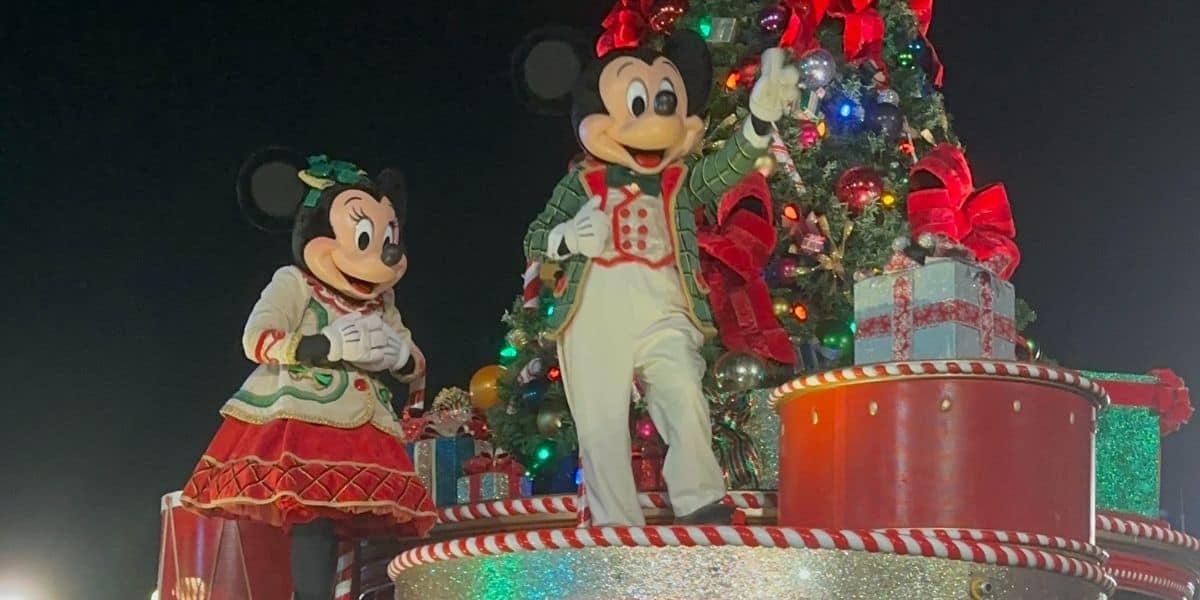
{"x": 287, "y": 472}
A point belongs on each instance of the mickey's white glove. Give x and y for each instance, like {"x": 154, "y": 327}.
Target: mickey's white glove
{"x": 776, "y": 88}
{"x": 586, "y": 234}
{"x": 395, "y": 353}
{"x": 355, "y": 338}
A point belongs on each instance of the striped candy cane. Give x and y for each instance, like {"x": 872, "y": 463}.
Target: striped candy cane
{"x": 532, "y": 285}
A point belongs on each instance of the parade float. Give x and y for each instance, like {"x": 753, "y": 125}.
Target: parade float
{"x": 883, "y": 424}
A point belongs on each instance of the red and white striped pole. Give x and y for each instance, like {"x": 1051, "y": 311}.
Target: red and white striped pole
{"x": 346, "y": 564}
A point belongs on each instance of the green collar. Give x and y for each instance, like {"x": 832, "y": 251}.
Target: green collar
{"x": 618, "y": 176}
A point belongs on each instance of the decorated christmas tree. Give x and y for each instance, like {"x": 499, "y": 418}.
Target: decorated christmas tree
{"x": 838, "y": 188}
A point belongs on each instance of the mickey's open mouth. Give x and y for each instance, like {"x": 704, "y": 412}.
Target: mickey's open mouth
{"x": 361, "y": 286}
{"x": 646, "y": 158}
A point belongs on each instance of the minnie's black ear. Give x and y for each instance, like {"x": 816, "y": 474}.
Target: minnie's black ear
{"x": 390, "y": 183}
{"x": 545, "y": 66}
{"x": 269, "y": 189}
{"x": 690, "y": 54}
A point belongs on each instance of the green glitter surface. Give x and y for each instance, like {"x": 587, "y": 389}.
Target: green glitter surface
{"x": 1127, "y": 460}
{"x": 1127, "y": 377}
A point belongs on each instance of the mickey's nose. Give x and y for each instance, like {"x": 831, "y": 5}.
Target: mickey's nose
{"x": 664, "y": 103}
{"x": 392, "y": 253}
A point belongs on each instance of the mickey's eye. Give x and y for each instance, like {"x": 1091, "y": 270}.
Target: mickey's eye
{"x": 362, "y": 232}
{"x": 635, "y": 97}
{"x": 666, "y": 86}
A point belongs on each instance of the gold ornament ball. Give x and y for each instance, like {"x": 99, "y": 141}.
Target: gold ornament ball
{"x": 549, "y": 421}
{"x": 485, "y": 390}
{"x": 888, "y": 200}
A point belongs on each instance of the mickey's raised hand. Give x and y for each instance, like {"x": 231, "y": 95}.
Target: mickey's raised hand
{"x": 776, "y": 88}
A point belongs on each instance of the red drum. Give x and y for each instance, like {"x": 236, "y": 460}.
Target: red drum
{"x": 216, "y": 559}
{"x": 947, "y": 444}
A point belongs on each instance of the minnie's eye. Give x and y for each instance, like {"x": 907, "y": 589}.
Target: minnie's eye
{"x": 362, "y": 232}
{"x": 635, "y": 98}
{"x": 390, "y": 235}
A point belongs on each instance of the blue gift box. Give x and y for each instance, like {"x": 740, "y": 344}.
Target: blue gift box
{"x": 492, "y": 486}
{"x": 439, "y": 464}
{"x": 947, "y": 308}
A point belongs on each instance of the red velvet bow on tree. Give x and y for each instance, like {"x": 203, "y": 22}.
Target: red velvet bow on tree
{"x": 923, "y": 10}
{"x": 804, "y": 16}
{"x": 862, "y": 37}
{"x": 734, "y": 251}
{"x": 944, "y": 202}
{"x": 1173, "y": 401}
{"x": 624, "y": 26}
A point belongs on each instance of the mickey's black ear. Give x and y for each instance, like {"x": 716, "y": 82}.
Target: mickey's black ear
{"x": 545, "y": 66}
{"x": 690, "y": 54}
{"x": 269, "y": 189}
{"x": 391, "y": 184}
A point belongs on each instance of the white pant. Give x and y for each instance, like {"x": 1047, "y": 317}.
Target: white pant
{"x": 633, "y": 319}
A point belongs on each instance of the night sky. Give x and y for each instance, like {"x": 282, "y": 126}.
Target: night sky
{"x": 129, "y": 270}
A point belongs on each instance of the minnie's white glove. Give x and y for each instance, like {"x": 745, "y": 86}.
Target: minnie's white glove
{"x": 586, "y": 234}
{"x": 776, "y": 88}
{"x": 395, "y": 353}
{"x": 355, "y": 338}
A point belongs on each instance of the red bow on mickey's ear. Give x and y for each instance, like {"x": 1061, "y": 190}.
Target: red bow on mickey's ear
{"x": 862, "y": 37}
{"x": 624, "y": 26}
{"x": 944, "y": 202}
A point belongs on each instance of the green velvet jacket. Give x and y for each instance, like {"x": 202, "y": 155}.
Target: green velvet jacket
{"x": 689, "y": 186}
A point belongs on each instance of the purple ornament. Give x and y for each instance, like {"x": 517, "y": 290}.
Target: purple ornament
{"x": 773, "y": 18}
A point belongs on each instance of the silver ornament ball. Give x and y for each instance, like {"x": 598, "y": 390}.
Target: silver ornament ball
{"x": 888, "y": 96}
{"x": 926, "y": 241}
{"x": 739, "y": 372}
{"x": 900, "y": 244}
{"x": 817, "y": 69}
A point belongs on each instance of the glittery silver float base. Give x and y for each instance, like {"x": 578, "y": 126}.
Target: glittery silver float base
{"x": 728, "y": 572}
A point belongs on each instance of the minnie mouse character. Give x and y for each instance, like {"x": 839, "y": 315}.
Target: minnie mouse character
{"x": 632, "y": 298}
{"x": 310, "y": 442}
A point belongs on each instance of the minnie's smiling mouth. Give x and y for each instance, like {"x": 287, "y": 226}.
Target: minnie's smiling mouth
{"x": 645, "y": 158}
{"x": 361, "y": 286}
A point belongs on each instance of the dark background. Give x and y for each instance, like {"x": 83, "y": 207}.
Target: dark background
{"x": 128, "y": 271}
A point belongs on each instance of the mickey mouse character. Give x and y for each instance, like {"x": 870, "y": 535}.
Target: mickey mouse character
{"x": 310, "y": 442}
{"x": 632, "y": 297}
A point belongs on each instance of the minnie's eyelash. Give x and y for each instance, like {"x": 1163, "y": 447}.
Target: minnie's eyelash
{"x": 357, "y": 214}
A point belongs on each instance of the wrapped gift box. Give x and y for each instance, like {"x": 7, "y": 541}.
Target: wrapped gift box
{"x": 647, "y": 472}
{"x": 1129, "y": 433}
{"x": 947, "y": 308}
{"x": 492, "y": 478}
{"x": 439, "y": 463}
{"x": 1128, "y": 460}
{"x": 483, "y": 487}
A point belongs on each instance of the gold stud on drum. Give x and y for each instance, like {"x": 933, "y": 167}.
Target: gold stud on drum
{"x": 981, "y": 588}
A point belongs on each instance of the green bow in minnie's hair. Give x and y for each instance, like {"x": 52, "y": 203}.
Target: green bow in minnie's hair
{"x": 323, "y": 173}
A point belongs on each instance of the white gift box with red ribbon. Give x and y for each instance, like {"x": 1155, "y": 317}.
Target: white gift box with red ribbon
{"x": 947, "y": 308}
